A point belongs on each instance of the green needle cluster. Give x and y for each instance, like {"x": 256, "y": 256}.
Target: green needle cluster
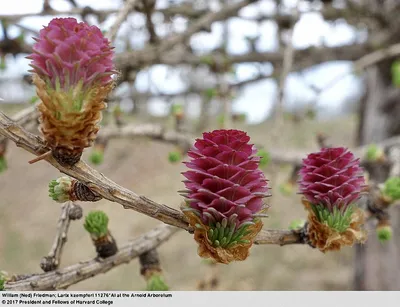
{"x": 156, "y": 283}
{"x": 391, "y": 188}
{"x": 337, "y": 220}
{"x": 226, "y": 235}
{"x": 174, "y": 156}
{"x": 96, "y": 223}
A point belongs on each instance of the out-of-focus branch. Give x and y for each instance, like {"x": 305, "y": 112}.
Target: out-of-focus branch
{"x": 148, "y": 9}
{"x": 152, "y": 131}
{"x": 69, "y": 211}
{"x": 184, "y": 9}
{"x": 153, "y": 54}
{"x": 53, "y": 12}
{"x": 25, "y": 117}
{"x": 121, "y": 16}
{"x": 157, "y": 132}
{"x": 232, "y": 86}
{"x": 63, "y": 278}
{"x": 281, "y": 237}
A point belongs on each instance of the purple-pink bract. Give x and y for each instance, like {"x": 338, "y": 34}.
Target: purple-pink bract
{"x": 224, "y": 178}
{"x": 68, "y": 52}
{"x": 332, "y": 178}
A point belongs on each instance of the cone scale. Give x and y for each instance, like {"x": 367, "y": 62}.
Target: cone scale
{"x": 72, "y": 68}
{"x": 225, "y": 191}
{"x": 331, "y": 181}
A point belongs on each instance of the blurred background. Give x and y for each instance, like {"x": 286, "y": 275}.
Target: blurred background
{"x": 286, "y": 72}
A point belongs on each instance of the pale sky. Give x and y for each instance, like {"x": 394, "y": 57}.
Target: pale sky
{"x": 255, "y": 99}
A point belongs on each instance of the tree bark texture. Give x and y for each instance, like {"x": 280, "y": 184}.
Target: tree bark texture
{"x": 377, "y": 265}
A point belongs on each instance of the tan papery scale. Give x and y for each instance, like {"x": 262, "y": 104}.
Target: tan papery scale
{"x": 326, "y": 239}
{"x": 68, "y": 132}
{"x": 238, "y": 252}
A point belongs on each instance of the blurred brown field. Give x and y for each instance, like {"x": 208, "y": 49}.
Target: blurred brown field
{"x": 28, "y": 218}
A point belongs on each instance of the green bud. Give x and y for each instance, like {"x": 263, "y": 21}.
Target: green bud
{"x": 297, "y": 224}
{"x": 396, "y": 73}
{"x": 34, "y": 99}
{"x": 3, "y": 65}
{"x": 286, "y": 188}
{"x": 374, "y": 152}
{"x": 265, "y": 157}
{"x": 311, "y": 113}
{"x": 21, "y": 37}
{"x": 96, "y": 157}
{"x": 384, "y": 233}
{"x": 117, "y": 110}
{"x": 242, "y": 117}
{"x": 210, "y": 93}
{"x": 207, "y": 60}
{"x": 2, "y": 281}
{"x": 59, "y": 189}
{"x": 156, "y": 283}
{"x": 177, "y": 109}
{"x": 96, "y": 223}
{"x": 174, "y": 156}
{"x": 208, "y": 261}
{"x": 221, "y": 119}
{"x": 391, "y": 188}
{"x": 3, "y": 164}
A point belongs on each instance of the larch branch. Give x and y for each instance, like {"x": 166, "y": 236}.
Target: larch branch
{"x": 63, "y": 278}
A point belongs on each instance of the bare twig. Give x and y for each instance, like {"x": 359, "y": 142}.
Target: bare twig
{"x": 121, "y": 16}
{"x": 287, "y": 67}
{"x": 52, "y": 12}
{"x": 148, "y": 8}
{"x": 280, "y": 237}
{"x": 359, "y": 65}
{"x": 183, "y": 10}
{"x": 63, "y": 278}
{"x": 152, "y": 53}
{"x": 25, "y": 116}
{"x": 53, "y": 259}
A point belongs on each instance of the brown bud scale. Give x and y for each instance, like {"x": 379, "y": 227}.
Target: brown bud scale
{"x": 80, "y": 191}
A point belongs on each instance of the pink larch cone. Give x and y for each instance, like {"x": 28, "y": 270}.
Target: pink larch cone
{"x": 331, "y": 181}
{"x": 72, "y": 68}
{"x": 225, "y": 191}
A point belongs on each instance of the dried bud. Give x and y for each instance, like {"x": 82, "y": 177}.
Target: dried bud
{"x": 331, "y": 182}
{"x": 75, "y": 212}
{"x": 225, "y": 191}
{"x": 72, "y": 66}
